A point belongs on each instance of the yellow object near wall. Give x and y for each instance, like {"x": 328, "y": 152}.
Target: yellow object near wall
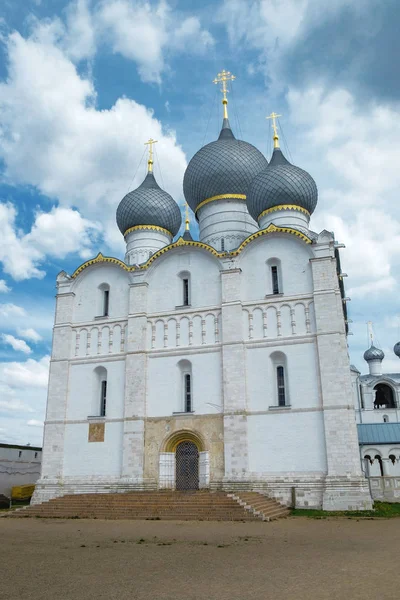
{"x": 22, "y": 492}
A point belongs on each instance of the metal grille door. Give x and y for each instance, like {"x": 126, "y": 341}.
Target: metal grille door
{"x": 187, "y": 466}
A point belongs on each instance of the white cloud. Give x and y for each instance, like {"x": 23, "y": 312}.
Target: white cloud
{"x": 11, "y": 310}
{"x": 53, "y": 138}
{"x": 15, "y": 343}
{"x": 4, "y": 288}
{"x": 30, "y": 334}
{"x": 146, "y": 33}
{"x": 35, "y": 423}
{"x": 23, "y": 390}
{"x": 31, "y": 373}
{"x": 56, "y": 233}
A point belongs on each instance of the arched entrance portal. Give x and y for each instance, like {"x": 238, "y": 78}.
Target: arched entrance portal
{"x": 184, "y": 462}
{"x": 187, "y": 466}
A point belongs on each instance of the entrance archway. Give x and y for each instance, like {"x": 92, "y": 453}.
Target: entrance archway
{"x": 187, "y": 466}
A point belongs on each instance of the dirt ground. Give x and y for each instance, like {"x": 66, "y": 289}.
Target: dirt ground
{"x": 295, "y": 558}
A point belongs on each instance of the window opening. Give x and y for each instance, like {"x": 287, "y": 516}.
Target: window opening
{"x": 20, "y": 454}
{"x": 106, "y": 301}
{"x": 385, "y": 419}
{"x": 275, "y": 282}
{"x": 185, "y": 292}
{"x": 103, "y": 398}
{"x": 379, "y": 459}
{"x": 281, "y": 386}
{"x": 361, "y": 396}
{"x": 36, "y": 454}
{"x": 222, "y": 244}
{"x": 188, "y": 393}
{"x": 384, "y": 397}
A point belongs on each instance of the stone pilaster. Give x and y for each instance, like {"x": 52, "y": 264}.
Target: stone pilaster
{"x": 345, "y": 487}
{"x": 57, "y": 398}
{"x": 135, "y": 384}
{"x": 233, "y": 378}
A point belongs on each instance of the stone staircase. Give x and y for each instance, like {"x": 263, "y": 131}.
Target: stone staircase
{"x": 181, "y": 506}
{"x": 260, "y": 506}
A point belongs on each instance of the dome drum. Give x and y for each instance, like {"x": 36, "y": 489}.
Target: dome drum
{"x": 285, "y": 215}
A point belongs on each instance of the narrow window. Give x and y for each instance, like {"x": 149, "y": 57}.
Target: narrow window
{"x": 103, "y": 398}
{"x": 222, "y": 244}
{"x": 188, "y": 392}
{"x": 20, "y": 454}
{"x": 275, "y": 282}
{"x": 280, "y": 375}
{"x": 185, "y": 292}
{"x": 106, "y": 301}
{"x": 36, "y": 454}
{"x": 385, "y": 419}
{"x": 361, "y": 397}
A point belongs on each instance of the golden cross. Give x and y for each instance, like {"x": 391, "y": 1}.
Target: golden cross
{"x": 274, "y": 116}
{"x": 150, "y": 160}
{"x": 223, "y": 77}
{"x": 187, "y": 220}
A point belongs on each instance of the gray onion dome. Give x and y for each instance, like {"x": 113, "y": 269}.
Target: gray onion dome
{"x": 149, "y": 205}
{"x": 281, "y": 183}
{"x": 396, "y": 349}
{"x": 373, "y": 353}
{"x": 226, "y": 166}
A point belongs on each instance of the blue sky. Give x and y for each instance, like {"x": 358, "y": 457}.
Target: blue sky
{"x": 83, "y": 84}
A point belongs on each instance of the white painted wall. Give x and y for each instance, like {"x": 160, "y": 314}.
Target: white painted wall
{"x": 286, "y": 442}
{"x": 18, "y": 466}
{"x": 301, "y": 376}
{"x": 88, "y": 298}
{"x": 294, "y": 257}
{"x": 93, "y": 459}
{"x": 165, "y": 291}
{"x": 84, "y": 396}
{"x": 164, "y": 383}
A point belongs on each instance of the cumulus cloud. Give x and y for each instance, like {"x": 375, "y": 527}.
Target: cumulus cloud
{"x": 15, "y": 343}
{"x": 146, "y": 33}
{"x": 23, "y": 389}
{"x": 56, "y": 233}
{"x": 31, "y": 373}
{"x": 30, "y": 334}
{"x": 11, "y": 310}
{"x": 54, "y": 139}
{"x": 4, "y": 288}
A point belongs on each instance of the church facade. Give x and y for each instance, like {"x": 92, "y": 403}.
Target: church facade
{"x": 220, "y": 363}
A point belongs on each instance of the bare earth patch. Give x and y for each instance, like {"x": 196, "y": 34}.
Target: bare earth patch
{"x": 292, "y": 559}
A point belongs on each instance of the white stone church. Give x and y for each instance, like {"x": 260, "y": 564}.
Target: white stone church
{"x": 220, "y": 363}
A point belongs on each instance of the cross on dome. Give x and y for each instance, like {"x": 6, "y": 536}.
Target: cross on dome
{"x": 273, "y": 116}
{"x": 150, "y": 159}
{"x": 223, "y": 77}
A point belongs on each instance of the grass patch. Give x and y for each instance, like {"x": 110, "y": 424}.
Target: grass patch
{"x": 386, "y": 510}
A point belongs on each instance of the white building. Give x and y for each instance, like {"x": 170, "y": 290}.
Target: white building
{"x": 377, "y": 401}
{"x": 220, "y": 363}
{"x": 19, "y": 465}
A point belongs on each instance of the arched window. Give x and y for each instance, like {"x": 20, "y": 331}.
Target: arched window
{"x": 185, "y": 291}
{"x": 100, "y": 391}
{"x": 280, "y": 380}
{"x": 385, "y": 418}
{"x": 279, "y": 367}
{"x": 368, "y": 463}
{"x": 274, "y": 276}
{"x": 104, "y": 300}
{"x": 384, "y": 397}
{"x": 185, "y": 386}
{"x": 392, "y": 458}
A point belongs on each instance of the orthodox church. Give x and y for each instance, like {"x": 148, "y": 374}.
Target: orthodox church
{"x": 216, "y": 363}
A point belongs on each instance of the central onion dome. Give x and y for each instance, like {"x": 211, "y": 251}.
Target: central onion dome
{"x": 281, "y": 185}
{"x": 150, "y": 206}
{"x": 224, "y": 168}
{"x": 373, "y": 353}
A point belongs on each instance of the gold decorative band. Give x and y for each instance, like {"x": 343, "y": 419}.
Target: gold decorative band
{"x": 221, "y": 197}
{"x": 144, "y": 227}
{"x": 284, "y": 207}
